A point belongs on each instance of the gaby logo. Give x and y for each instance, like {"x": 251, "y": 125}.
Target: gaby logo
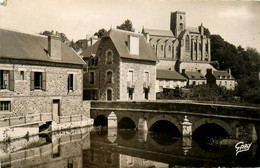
{"x": 242, "y": 147}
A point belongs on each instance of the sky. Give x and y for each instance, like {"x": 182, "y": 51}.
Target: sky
{"x": 238, "y": 22}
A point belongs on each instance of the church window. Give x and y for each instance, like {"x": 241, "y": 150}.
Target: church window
{"x": 162, "y": 47}
{"x": 200, "y": 46}
{"x": 181, "y": 17}
{"x": 187, "y": 43}
{"x": 207, "y": 47}
{"x": 170, "y": 48}
{"x": 181, "y": 26}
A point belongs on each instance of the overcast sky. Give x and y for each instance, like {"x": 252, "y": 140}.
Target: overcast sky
{"x": 237, "y": 22}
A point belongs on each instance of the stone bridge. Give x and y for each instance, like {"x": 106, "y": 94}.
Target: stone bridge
{"x": 237, "y": 122}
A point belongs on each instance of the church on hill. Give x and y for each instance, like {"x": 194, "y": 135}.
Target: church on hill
{"x": 182, "y": 49}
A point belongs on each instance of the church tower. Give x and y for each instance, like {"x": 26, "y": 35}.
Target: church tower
{"x": 178, "y": 22}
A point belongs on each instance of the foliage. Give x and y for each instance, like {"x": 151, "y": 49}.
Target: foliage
{"x": 127, "y": 25}
{"x": 63, "y": 37}
{"x": 100, "y": 32}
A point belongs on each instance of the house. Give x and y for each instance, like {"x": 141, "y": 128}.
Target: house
{"x": 125, "y": 68}
{"x": 221, "y": 78}
{"x": 194, "y": 78}
{"x": 166, "y": 79}
{"x": 38, "y": 74}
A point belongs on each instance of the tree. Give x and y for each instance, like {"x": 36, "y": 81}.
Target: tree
{"x": 127, "y": 25}
{"x": 100, "y": 32}
{"x": 63, "y": 37}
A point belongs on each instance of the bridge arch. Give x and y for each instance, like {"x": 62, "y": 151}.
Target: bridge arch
{"x": 159, "y": 118}
{"x": 126, "y": 123}
{"x": 100, "y": 120}
{"x": 217, "y": 122}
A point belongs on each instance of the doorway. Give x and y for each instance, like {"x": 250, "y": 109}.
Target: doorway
{"x": 56, "y": 107}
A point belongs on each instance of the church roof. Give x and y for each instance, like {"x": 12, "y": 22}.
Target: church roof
{"x": 194, "y": 75}
{"x": 193, "y": 29}
{"x": 170, "y": 75}
{"x": 17, "y": 45}
{"x": 156, "y": 32}
{"x": 120, "y": 38}
{"x": 222, "y": 75}
{"x": 91, "y": 50}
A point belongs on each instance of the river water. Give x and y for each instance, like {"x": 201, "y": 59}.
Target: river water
{"x": 96, "y": 148}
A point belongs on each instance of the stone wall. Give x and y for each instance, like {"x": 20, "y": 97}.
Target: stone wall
{"x": 139, "y": 68}
{"x": 166, "y": 64}
{"x": 25, "y": 101}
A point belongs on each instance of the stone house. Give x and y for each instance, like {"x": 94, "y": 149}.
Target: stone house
{"x": 126, "y": 67}
{"x": 194, "y": 78}
{"x": 166, "y": 79}
{"x": 38, "y": 74}
{"x": 221, "y": 78}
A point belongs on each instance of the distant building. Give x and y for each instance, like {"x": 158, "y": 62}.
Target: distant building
{"x": 166, "y": 79}
{"x": 122, "y": 66}
{"x": 181, "y": 47}
{"x": 221, "y": 78}
{"x": 194, "y": 78}
{"x": 38, "y": 74}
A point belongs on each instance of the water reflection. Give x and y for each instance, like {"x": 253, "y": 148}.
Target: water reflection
{"x": 99, "y": 148}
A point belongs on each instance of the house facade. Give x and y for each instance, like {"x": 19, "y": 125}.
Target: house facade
{"x": 221, "y": 78}
{"x": 126, "y": 67}
{"x": 38, "y": 74}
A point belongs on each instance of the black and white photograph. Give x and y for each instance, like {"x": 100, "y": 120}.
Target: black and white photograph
{"x": 129, "y": 83}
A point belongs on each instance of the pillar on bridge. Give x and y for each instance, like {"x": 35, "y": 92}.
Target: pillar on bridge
{"x": 112, "y": 120}
{"x": 186, "y": 127}
{"x": 142, "y": 124}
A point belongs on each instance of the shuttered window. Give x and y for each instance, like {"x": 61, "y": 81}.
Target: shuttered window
{"x": 70, "y": 82}
{"x": 38, "y": 81}
{"x": 7, "y": 80}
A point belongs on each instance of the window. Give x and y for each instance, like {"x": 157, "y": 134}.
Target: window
{"x": 109, "y": 57}
{"x": 92, "y": 61}
{"x": 169, "y": 48}
{"x": 162, "y": 47}
{"x": 146, "y": 94}
{"x": 130, "y": 76}
{"x": 180, "y": 17}
{"x": 194, "y": 82}
{"x": 181, "y": 26}
{"x": 92, "y": 78}
{"x": 5, "y": 106}
{"x": 187, "y": 43}
{"x": 225, "y": 82}
{"x": 109, "y": 77}
{"x": 22, "y": 75}
{"x": 70, "y": 82}
{"x": 38, "y": 81}
{"x": 4, "y": 79}
{"x": 109, "y": 94}
{"x": 130, "y": 94}
{"x": 207, "y": 47}
{"x": 146, "y": 77}
{"x": 200, "y": 46}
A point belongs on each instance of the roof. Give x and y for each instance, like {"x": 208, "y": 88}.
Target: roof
{"x": 222, "y": 75}
{"x": 17, "y": 45}
{"x": 120, "y": 37}
{"x": 90, "y": 50}
{"x": 193, "y": 29}
{"x": 194, "y": 75}
{"x": 156, "y": 32}
{"x": 170, "y": 75}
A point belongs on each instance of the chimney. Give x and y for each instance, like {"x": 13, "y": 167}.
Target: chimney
{"x": 201, "y": 29}
{"x": 147, "y": 37}
{"x": 133, "y": 44}
{"x": 54, "y": 47}
{"x": 209, "y": 71}
{"x": 229, "y": 71}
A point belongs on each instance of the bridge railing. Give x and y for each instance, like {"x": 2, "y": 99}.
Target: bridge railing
{"x": 25, "y": 119}
{"x": 34, "y": 118}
